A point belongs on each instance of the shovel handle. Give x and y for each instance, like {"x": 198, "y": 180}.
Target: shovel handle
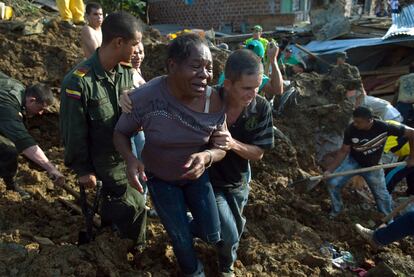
{"x": 398, "y": 209}
{"x": 359, "y": 170}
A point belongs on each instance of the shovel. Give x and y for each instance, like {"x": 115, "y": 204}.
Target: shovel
{"x": 88, "y": 212}
{"x": 397, "y": 210}
{"x": 309, "y": 183}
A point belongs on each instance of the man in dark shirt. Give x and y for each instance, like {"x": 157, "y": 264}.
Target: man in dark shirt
{"x": 16, "y": 102}
{"x": 363, "y": 145}
{"x": 250, "y": 133}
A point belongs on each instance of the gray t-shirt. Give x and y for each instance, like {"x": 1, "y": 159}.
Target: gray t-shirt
{"x": 172, "y": 131}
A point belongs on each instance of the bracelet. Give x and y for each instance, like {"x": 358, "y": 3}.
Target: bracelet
{"x": 211, "y": 158}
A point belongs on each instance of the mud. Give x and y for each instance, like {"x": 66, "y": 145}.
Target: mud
{"x": 285, "y": 229}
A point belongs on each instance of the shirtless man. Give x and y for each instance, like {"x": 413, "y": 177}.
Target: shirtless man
{"x": 91, "y": 34}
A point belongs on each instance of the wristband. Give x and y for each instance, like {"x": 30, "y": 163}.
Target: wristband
{"x": 211, "y": 158}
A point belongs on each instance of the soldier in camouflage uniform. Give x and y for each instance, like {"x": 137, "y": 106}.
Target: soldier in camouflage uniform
{"x": 89, "y": 111}
{"x": 17, "y": 102}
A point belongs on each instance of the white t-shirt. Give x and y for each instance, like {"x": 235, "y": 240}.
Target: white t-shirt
{"x": 382, "y": 108}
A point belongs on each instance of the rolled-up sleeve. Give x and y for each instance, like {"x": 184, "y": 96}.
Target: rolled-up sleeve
{"x": 14, "y": 129}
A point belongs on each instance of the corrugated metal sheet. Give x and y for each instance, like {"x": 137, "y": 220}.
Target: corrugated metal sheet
{"x": 402, "y": 23}
{"x": 366, "y": 53}
{"x": 333, "y": 46}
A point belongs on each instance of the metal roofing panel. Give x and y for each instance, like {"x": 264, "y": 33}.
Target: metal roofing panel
{"x": 333, "y": 46}
{"x": 402, "y": 23}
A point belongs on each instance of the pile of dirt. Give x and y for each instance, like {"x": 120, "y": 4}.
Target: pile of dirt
{"x": 44, "y": 57}
{"x": 317, "y": 108}
{"x": 285, "y": 230}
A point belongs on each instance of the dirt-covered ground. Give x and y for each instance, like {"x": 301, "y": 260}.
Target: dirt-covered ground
{"x": 285, "y": 228}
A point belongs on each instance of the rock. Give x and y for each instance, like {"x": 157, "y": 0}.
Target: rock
{"x": 257, "y": 268}
{"x": 312, "y": 260}
{"x": 32, "y": 247}
{"x": 368, "y": 263}
{"x": 382, "y": 270}
{"x": 43, "y": 241}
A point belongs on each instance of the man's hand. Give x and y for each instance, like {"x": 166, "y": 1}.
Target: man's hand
{"x": 125, "y": 101}
{"x": 272, "y": 53}
{"x": 89, "y": 180}
{"x": 57, "y": 177}
{"x": 196, "y": 165}
{"x": 135, "y": 169}
{"x": 223, "y": 140}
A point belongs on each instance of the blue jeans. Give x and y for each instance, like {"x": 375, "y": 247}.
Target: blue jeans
{"x": 137, "y": 144}
{"x": 171, "y": 200}
{"x": 400, "y": 228}
{"x": 374, "y": 179}
{"x": 230, "y": 203}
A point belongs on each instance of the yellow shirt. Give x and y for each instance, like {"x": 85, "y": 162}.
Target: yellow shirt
{"x": 392, "y": 141}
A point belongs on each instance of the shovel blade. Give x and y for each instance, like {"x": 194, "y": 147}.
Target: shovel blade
{"x": 304, "y": 185}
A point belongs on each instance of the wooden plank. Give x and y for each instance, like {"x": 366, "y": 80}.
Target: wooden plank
{"x": 385, "y": 76}
{"x": 386, "y": 85}
{"x": 387, "y": 70}
{"x": 241, "y": 37}
{"x": 382, "y": 91}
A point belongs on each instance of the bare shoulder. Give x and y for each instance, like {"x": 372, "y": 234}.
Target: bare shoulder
{"x": 216, "y": 101}
{"x": 86, "y": 31}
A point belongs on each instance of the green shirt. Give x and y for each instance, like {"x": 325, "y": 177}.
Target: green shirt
{"x": 88, "y": 113}
{"x": 12, "y": 96}
{"x": 292, "y": 60}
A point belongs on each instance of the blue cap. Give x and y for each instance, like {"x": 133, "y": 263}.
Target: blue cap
{"x": 257, "y": 47}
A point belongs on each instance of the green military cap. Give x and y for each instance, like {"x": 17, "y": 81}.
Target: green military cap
{"x": 342, "y": 55}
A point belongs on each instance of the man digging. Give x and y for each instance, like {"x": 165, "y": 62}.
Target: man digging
{"x": 363, "y": 144}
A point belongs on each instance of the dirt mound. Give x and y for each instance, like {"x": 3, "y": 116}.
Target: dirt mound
{"x": 44, "y": 57}
{"x": 284, "y": 229}
{"x": 316, "y": 109}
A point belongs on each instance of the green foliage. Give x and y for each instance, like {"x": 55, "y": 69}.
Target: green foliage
{"x": 136, "y": 7}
